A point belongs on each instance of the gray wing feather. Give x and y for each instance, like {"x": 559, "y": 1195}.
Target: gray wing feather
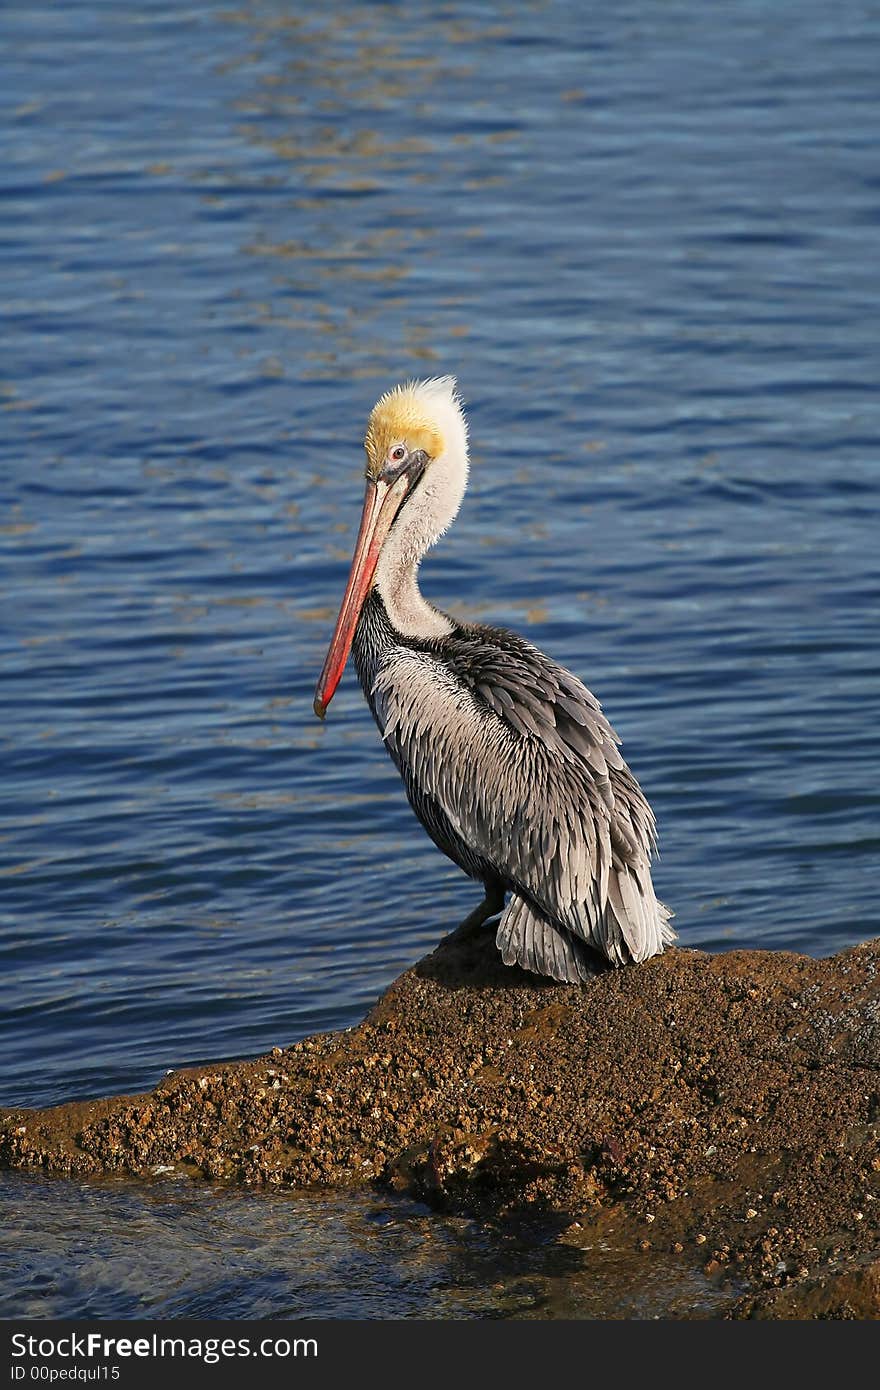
{"x": 520, "y": 757}
{"x": 526, "y": 938}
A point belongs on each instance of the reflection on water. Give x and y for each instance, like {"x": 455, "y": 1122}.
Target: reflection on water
{"x": 644, "y": 237}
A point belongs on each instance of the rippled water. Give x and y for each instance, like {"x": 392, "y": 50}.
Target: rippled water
{"x": 114, "y": 1249}
{"x": 644, "y": 236}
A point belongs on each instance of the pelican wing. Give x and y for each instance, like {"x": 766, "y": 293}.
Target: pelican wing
{"x": 519, "y": 756}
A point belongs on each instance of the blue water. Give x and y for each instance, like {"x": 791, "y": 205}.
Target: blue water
{"x": 117, "y": 1249}
{"x": 645, "y": 238}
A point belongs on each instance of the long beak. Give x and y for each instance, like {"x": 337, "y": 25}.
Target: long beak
{"x": 381, "y": 505}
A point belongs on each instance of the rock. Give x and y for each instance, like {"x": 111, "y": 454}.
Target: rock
{"x": 732, "y": 1101}
{"x": 849, "y": 1295}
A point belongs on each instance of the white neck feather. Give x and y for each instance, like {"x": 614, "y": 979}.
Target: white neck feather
{"x": 422, "y": 521}
{"x": 409, "y": 611}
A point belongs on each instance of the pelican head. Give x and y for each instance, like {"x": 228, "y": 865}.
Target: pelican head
{"x": 417, "y": 467}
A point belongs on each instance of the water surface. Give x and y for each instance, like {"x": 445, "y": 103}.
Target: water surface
{"x": 168, "y": 1249}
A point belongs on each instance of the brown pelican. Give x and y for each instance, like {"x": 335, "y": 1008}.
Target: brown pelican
{"x": 507, "y": 759}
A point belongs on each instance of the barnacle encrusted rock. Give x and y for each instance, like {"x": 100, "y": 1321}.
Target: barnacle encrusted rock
{"x": 725, "y": 1108}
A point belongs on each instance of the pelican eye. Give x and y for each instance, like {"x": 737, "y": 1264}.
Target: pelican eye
{"x": 399, "y": 461}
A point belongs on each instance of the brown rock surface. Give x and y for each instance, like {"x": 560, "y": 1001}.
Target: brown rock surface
{"x": 722, "y": 1108}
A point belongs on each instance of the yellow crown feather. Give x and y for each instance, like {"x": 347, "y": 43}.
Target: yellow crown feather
{"x": 405, "y": 413}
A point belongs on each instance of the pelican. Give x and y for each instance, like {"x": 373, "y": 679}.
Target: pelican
{"x": 507, "y": 758}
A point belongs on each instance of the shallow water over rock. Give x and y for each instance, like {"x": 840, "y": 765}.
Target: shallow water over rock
{"x": 118, "y": 1249}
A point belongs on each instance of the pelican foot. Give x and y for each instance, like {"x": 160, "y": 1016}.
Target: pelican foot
{"x": 492, "y": 904}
